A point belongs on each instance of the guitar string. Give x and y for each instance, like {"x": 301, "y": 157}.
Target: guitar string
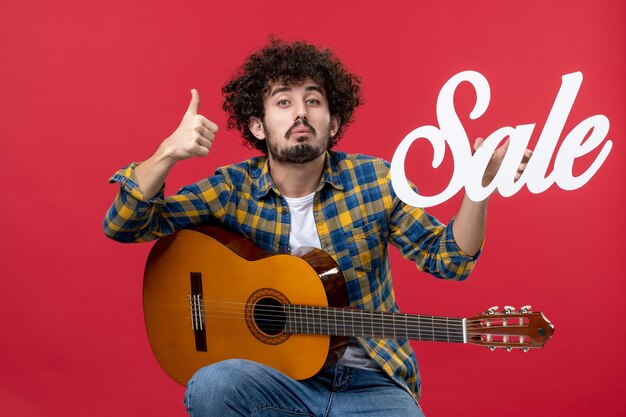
{"x": 452, "y": 329}
{"x": 427, "y": 335}
{"x": 378, "y": 327}
{"x": 202, "y": 303}
{"x": 351, "y": 310}
{"x": 380, "y": 322}
{"x": 435, "y": 333}
{"x": 268, "y": 316}
{"x": 240, "y": 306}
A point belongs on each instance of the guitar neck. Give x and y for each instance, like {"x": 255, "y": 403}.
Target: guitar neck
{"x": 332, "y": 321}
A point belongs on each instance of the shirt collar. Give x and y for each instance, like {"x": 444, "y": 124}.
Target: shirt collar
{"x": 330, "y": 175}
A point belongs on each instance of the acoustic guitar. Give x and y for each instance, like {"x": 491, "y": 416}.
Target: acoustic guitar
{"x": 211, "y": 295}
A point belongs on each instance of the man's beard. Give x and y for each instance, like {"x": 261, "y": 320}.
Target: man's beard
{"x": 301, "y": 153}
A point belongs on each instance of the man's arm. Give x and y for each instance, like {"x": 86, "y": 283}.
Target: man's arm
{"x": 140, "y": 212}
{"x": 469, "y": 223}
{"x": 193, "y": 137}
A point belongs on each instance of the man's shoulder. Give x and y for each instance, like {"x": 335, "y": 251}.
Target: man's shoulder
{"x": 353, "y": 160}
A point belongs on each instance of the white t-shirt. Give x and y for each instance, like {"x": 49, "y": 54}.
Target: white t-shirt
{"x": 303, "y": 232}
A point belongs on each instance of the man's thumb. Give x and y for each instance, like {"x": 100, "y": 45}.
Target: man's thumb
{"x": 194, "y": 103}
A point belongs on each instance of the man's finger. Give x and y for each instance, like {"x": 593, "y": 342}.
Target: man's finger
{"x": 209, "y": 124}
{"x": 477, "y": 143}
{"x": 194, "y": 104}
{"x": 505, "y": 147}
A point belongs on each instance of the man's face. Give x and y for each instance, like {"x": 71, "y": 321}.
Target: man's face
{"x": 297, "y": 124}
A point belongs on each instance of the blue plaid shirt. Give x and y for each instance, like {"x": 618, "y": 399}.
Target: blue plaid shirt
{"x": 357, "y": 214}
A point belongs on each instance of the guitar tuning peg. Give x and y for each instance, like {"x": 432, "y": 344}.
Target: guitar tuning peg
{"x": 525, "y": 349}
{"x": 492, "y": 310}
{"x": 491, "y": 348}
{"x": 525, "y": 309}
{"x": 509, "y": 309}
{"x": 509, "y": 348}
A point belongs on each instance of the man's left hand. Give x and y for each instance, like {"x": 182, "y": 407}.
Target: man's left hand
{"x": 496, "y": 160}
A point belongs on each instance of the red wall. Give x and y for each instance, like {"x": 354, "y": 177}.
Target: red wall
{"x": 88, "y": 86}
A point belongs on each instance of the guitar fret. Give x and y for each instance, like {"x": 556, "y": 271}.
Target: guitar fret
{"x": 419, "y": 332}
{"x": 319, "y": 321}
{"x": 300, "y": 320}
{"x": 308, "y": 319}
{"x": 352, "y": 312}
{"x": 432, "y": 327}
{"x": 382, "y": 322}
{"x": 303, "y": 322}
{"x": 406, "y": 327}
{"x": 329, "y": 321}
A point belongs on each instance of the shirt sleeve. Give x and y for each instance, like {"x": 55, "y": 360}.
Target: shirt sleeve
{"x": 423, "y": 239}
{"x": 428, "y": 242}
{"x": 133, "y": 218}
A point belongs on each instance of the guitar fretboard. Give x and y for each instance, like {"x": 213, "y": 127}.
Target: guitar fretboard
{"x": 372, "y": 324}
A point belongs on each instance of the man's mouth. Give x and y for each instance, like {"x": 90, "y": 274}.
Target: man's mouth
{"x": 302, "y": 128}
{"x": 300, "y": 131}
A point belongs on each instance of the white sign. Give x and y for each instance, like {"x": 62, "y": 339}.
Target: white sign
{"x": 469, "y": 169}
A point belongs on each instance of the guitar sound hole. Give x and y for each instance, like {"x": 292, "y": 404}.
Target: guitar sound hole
{"x": 269, "y": 316}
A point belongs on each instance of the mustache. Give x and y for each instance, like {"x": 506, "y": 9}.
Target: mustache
{"x": 298, "y": 123}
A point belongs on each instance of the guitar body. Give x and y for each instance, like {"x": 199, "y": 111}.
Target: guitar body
{"x": 200, "y": 290}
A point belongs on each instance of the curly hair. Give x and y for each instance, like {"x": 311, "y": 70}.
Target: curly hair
{"x": 244, "y": 95}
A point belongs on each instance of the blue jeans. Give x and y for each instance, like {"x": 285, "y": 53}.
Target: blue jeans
{"x": 239, "y": 387}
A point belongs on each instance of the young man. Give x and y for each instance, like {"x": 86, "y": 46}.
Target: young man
{"x": 292, "y": 102}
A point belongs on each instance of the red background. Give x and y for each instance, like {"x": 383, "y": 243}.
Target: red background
{"x": 88, "y": 86}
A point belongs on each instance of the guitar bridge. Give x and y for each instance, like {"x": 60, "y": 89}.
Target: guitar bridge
{"x": 196, "y": 307}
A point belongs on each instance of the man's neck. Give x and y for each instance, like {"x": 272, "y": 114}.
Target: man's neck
{"x": 297, "y": 180}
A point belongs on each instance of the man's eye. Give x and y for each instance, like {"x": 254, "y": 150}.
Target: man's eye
{"x": 283, "y": 103}
{"x": 313, "y": 101}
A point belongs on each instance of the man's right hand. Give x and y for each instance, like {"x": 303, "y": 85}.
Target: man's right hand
{"x": 193, "y": 137}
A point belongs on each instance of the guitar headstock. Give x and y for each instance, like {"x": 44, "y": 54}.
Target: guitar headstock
{"x": 509, "y": 329}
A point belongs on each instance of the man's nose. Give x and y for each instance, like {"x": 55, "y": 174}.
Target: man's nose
{"x": 300, "y": 110}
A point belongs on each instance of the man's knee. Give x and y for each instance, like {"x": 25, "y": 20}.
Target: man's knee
{"x": 221, "y": 376}
{"x": 241, "y": 387}
{"x": 211, "y": 387}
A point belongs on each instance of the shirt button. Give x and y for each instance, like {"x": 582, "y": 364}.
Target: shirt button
{"x": 285, "y": 211}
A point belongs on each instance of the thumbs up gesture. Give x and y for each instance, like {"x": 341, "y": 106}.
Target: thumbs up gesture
{"x": 194, "y": 136}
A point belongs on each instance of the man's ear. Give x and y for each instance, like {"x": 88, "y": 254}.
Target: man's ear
{"x": 256, "y": 127}
{"x": 334, "y": 125}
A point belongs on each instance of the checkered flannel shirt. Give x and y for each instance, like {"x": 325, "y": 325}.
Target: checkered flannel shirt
{"x": 357, "y": 214}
